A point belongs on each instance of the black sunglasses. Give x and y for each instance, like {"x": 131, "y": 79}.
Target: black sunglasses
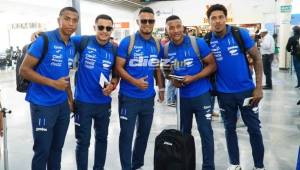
{"x": 101, "y": 28}
{"x": 150, "y": 21}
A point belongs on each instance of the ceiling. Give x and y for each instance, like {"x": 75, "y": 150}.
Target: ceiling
{"x": 131, "y": 4}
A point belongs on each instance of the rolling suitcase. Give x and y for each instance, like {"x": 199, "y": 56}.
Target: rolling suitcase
{"x": 174, "y": 150}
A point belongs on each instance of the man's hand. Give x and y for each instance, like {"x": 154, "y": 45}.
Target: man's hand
{"x": 141, "y": 83}
{"x": 161, "y": 95}
{"x": 257, "y": 96}
{"x": 61, "y": 84}
{"x": 108, "y": 89}
{"x": 188, "y": 79}
{"x": 177, "y": 83}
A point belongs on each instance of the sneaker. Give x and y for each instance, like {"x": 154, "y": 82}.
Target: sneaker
{"x": 259, "y": 168}
{"x": 234, "y": 167}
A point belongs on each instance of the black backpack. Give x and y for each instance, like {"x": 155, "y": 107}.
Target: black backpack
{"x": 237, "y": 36}
{"x": 23, "y": 84}
{"x": 174, "y": 151}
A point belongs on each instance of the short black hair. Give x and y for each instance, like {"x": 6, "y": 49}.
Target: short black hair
{"x": 61, "y": 12}
{"x": 172, "y": 17}
{"x": 296, "y": 30}
{"x": 216, "y": 7}
{"x": 147, "y": 10}
{"x": 104, "y": 16}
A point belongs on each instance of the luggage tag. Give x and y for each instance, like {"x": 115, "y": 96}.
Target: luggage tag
{"x": 103, "y": 82}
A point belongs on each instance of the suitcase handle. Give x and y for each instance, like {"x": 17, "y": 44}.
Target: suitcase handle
{"x": 178, "y": 107}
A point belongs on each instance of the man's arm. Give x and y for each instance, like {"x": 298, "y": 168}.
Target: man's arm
{"x": 255, "y": 55}
{"x": 160, "y": 83}
{"x": 140, "y": 83}
{"x": 70, "y": 97}
{"x": 289, "y": 45}
{"x": 210, "y": 67}
{"x": 27, "y": 71}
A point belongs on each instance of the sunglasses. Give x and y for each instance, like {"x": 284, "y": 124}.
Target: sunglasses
{"x": 149, "y": 21}
{"x": 101, "y": 28}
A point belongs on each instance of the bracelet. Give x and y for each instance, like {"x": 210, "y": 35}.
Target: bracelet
{"x": 161, "y": 89}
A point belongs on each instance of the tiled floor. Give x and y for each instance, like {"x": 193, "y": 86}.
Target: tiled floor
{"x": 278, "y": 112}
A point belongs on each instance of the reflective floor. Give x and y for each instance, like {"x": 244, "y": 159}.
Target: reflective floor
{"x": 279, "y": 114}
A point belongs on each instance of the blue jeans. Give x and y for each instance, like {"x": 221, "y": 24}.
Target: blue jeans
{"x": 229, "y": 104}
{"x": 130, "y": 110}
{"x": 171, "y": 92}
{"x": 201, "y": 107}
{"x": 49, "y": 129}
{"x": 85, "y": 113}
{"x": 296, "y": 61}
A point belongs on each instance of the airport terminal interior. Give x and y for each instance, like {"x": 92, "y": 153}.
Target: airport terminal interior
{"x": 278, "y": 110}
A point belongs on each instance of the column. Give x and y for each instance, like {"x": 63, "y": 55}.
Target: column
{"x": 284, "y": 16}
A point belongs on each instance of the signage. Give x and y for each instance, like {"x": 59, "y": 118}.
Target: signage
{"x": 285, "y": 8}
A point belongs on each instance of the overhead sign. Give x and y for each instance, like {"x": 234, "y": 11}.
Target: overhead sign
{"x": 285, "y": 8}
{"x": 27, "y": 25}
{"x": 121, "y": 24}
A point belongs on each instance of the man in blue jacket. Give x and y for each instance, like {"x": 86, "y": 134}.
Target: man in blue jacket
{"x": 49, "y": 93}
{"x": 195, "y": 97}
{"x": 235, "y": 86}
{"x": 136, "y": 65}
{"x": 92, "y": 101}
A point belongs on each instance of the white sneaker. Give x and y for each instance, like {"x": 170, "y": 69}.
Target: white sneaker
{"x": 259, "y": 168}
{"x": 234, "y": 167}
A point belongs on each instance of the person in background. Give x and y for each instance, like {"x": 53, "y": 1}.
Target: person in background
{"x": 267, "y": 49}
{"x": 293, "y": 47}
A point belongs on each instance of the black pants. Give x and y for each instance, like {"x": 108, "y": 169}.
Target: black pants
{"x": 267, "y": 63}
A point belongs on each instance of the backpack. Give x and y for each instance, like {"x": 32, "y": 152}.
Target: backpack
{"x": 23, "y": 84}
{"x": 297, "y": 49}
{"x": 83, "y": 44}
{"x": 167, "y": 69}
{"x": 237, "y": 36}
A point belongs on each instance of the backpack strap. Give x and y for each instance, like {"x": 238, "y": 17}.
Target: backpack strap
{"x": 132, "y": 41}
{"x": 237, "y": 36}
{"x": 45, "y": 48}
{"x": 83, "y": 43}
{"x": 166, "y": 69}
{"x": 236, "y": 33}
{"x": 196, "y": 49}
{"x": 115, "y": 54}
{"x": 195, "y": 45}
{"x": 207, "y": 38}
{"x": 131, "y": 44}
{"x": 166, "y": 49}
{"x": 157, "y": 43}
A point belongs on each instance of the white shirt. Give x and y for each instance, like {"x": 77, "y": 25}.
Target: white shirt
{"x": 267, "y": 45}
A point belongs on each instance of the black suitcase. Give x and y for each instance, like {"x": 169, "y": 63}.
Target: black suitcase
{"x": 174, "y": 150}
